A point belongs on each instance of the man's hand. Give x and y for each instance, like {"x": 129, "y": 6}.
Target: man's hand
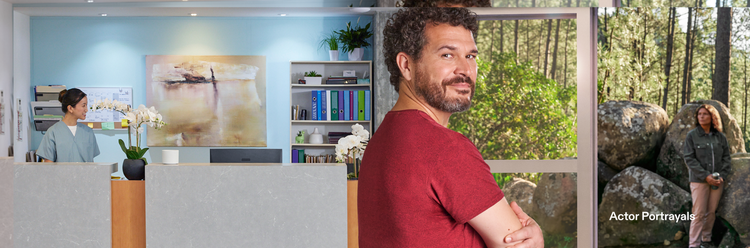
{"x": 530, "y": 233}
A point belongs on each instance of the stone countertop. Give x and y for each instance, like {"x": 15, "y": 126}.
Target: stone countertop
{"x": 112, "y": 170}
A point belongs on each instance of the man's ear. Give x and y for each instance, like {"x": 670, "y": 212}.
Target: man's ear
{"x": 406, "y": 66}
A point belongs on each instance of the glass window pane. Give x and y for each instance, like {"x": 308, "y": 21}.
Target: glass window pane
{"x": 550, "y": 199}
{"x": 524, "y": 105}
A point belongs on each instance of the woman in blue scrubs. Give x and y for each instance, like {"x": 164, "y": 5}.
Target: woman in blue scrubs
{"x": 68, "y": 140}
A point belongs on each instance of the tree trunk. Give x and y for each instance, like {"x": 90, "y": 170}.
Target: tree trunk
{"x": 692, "y": 52}
{"x": 546, "y": 46}
{"x": 723, "y": 50}
{"x": 539, "y": 45}
{"x": 515, "y": 39}
{"x": 502, "y": 37}
{"x": 565, "y": 63}
{"x": 527, "y": 40}
{"x": 554, "y": 51}
{"x": 670, "y": 44}
{"x": 687, "y": 57}
{"x": 744, "y": 112}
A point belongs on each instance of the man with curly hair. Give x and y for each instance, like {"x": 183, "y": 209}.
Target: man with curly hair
{"x": 422, "y": 184}
{"x": 445, "y": 3}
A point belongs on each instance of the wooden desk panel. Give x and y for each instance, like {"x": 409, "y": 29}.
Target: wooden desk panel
{"x": 351, "y": 213}
{"x": 128, "y": 214}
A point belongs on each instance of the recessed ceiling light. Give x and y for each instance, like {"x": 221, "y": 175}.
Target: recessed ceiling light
{"x": 282, "y": 14}
{"x": 89, "y": 1}
{"x": 193, "y": 14}
{"x": 103, "y": 14}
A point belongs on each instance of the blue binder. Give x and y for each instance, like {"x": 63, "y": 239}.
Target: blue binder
{"x": 314, "y": 111}
{"x": 295, "y": 156}
{"x": 320, "y": 106}
{"x": 367, "y": 105}
{"x": 355, "y": 106}
{"x": 341, "y": 105}
{"x": 346, "y": 106}
{"x": 324, "y": 109}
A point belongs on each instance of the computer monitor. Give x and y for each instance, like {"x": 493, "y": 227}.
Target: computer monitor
{"x": 245, "y": 156}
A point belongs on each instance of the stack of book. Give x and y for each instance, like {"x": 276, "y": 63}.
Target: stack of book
{"x": 341, "y": 80}
{"x": 333, "y": 137}
{"x": 299, "y": 156}
{"x": 341, "y": 105}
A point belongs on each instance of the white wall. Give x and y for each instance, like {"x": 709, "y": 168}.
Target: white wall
{"x": 6, "y": 73}
{"x": 21, "y": 83}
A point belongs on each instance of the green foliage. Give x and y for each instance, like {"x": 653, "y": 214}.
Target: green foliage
{"x": 133, "y": 152}
{"x": 355, "y": 37}
{"x": 331, "y": 42}
{"x": 524, "y": 116}
{"x": 312, "y": 74}
{"x": 560, "y": 241}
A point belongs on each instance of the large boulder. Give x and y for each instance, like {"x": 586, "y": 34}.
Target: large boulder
{"x": 554, "y": 204}
{"x": 734, "y": 205}
{"x": 636, "y": 190}
{"x": 520, "y": 191}
{"x": 605, "y": 174}
{"x": 671, "y": 163}
{"x": 630, "y": 133}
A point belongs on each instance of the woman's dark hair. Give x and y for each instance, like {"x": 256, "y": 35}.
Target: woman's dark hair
{"x": 70, "y": 97}
{"x": 435, "y": 3}
{"x": 404, "y": 32}
{"x": 715, "y": 117}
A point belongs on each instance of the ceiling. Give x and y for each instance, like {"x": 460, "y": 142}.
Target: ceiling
{"x": 262, "y": 8}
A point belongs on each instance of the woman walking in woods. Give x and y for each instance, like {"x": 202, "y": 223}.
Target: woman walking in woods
{"x": 707, "y": 157}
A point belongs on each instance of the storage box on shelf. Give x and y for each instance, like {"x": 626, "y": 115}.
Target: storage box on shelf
{"x": 301, "y": 95}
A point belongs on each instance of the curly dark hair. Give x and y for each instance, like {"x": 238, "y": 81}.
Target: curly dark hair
{"x": 404, "y": 32}
{"x": 435, "y": 3}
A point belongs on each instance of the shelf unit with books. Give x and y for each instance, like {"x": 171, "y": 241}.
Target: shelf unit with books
{"x": 301, "y": 98}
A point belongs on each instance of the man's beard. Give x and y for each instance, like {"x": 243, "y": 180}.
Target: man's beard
{"x": 435, "y": 95}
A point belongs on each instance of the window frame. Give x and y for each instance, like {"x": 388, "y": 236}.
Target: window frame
{"x": 585, "y": 164}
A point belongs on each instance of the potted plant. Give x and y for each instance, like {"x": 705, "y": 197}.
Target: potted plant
{"x": 313, "y": 78}
{"x": 351, "y": 148}
{"x": 133, "y": 166}
{"x": 333, "y": 47}
{"x": 354, "y": 39}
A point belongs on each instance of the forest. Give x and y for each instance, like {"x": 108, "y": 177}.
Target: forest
{"x": 545, "y": 3}
{"x": 672, "y": 56}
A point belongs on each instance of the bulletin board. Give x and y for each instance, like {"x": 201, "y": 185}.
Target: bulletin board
{"x": 95, "y": 119}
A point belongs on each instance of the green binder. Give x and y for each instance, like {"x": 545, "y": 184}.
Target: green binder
{"x": 301, "y": 155}
{"x": 361, "y": 108}
{"x": 334, "y": 105}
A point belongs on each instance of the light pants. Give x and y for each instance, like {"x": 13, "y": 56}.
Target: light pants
{"x": 705, "y": 201}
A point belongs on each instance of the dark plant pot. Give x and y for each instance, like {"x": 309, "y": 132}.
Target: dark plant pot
{"x": 134, "y": 169}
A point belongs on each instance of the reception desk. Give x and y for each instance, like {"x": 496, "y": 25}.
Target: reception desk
{"x": 246, "y": 205}
{"x": 190, "y": 205}
{"x": 60, "y": 204}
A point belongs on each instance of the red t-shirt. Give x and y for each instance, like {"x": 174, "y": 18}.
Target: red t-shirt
{"x": 419, "y": 185}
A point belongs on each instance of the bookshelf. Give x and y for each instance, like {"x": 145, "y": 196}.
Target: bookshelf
{"x": 301, "y": 95}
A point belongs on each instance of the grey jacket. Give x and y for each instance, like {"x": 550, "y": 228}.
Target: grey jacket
{"x": 706, "y": 153}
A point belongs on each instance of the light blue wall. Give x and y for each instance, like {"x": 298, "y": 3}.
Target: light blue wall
{"x": 110, "y": 51}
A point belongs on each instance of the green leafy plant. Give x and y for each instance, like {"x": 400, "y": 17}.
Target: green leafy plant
{"x": 312, "y": 74}
{"x": 134, "y": 152}
{"x": 331, "y": 42}
{"x": 354, "y": 37}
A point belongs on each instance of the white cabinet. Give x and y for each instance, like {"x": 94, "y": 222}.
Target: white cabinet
{"x": 301, "y": 95}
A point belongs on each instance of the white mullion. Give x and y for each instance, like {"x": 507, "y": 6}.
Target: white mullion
{"x": 533, "y": 166}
